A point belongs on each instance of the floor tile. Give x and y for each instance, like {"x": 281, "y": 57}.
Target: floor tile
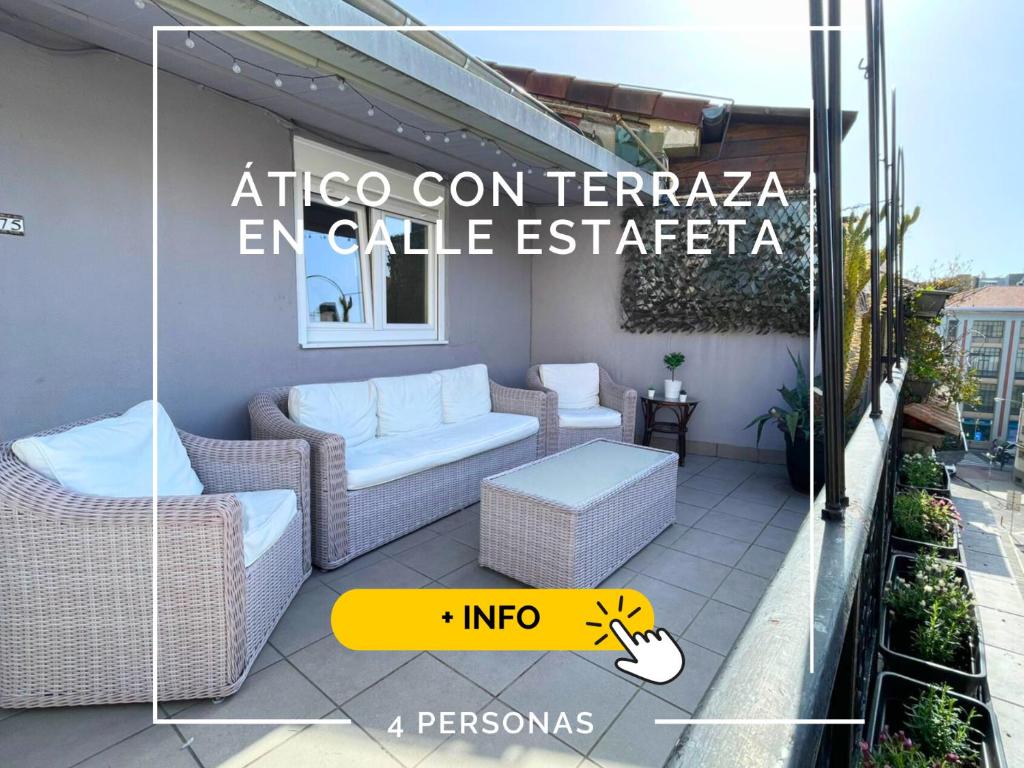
{"x": 717, "y": 626}
{"x": 422, "y": 685}
{"x": 1005, "y": 674}
{"x": 714, "y": 484}
{"x": 634, "y": 741}
{"x": 748, "y": 509}
{"x": 739, "y": 528}
{"x": 1003, "y": 630}
{"x": 158, "y": 745}
{"x": 342, "y": 673}
{"x": 779, "y": 539}
{"x": 761, "y": 561}
{"x": 730, "y": 468}
{"x": 645, "y": 557}
{"x": 265, "y": 658}
{"x": 763, "y": 493}
{"x": 386, "y": 574}
{"x": 741, "y": 590}
{"x": 1011, "y": 724}
{"x": 327, "y": 746}
{"x": 491, "y": 670}
{"x": 696, "y": 462}
{"x": 474, "y": 576}
{"x": 674, "y": 608}
{"x": 63, "y": 736}
{"x": 789, "y": 519}
{"x": 5, "y": 713}
{"x": 409, "y": 540}
{"x": 698, "y": 498}
{"x": 468, "y": 534}
{"x": 501, "y": 749}
{"x": 279, "y": 691}
{"x": 797, "y": 503}
{"x": 620, "y": 578}
{"x": 670, "y": 534}
{"x": 307, "y": 619}
{"x": 711, "y": 546}
{"x": 351, "y": 566}
{"x": 688, "y": 514}
{"x": 689, "y": 688}
{"x": 689, "y": 572}
{"x": 567, "y": 683}
{"x": 438, "y": 557}
{"x": 998, "y": 593}
{"x": 456, "y": 519}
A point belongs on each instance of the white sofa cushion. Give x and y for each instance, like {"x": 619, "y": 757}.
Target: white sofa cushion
{"x": 408, "y": 403}
{"x": 114, "y": 457}
{"x": 347, "y": 408}
{"x": 465, "y": 393}
{"x": 390, "y": 458}
{"x": 265, "y": 515}
{"x": 577, "y": 384}
{"x": 597, "y": 417}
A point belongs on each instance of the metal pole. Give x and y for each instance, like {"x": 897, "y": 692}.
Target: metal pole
{"x": 876, "y": 330}
{"x": 891, "y": 250}
{"x": 835, "y": 127}
{"x": 826, "y": 261}
{"x": 899, "y": 237}
{"x": 883, "y": 89}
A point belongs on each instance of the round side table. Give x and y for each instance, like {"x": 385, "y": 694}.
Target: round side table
{"x": 681, "y": 413}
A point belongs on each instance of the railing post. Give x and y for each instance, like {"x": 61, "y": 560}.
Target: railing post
{"x": 835, "y": 126}
{"x": 830, "y": 351}
{"x": 892, "y": 248}
{"x": 871, "y": 16}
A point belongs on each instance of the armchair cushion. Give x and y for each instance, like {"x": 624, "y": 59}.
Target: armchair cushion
{"x": 390, "y": 458}
{"x": 408, "y": 403}
{"x": 348, "y": 409}
{"x": 265, "y": 516}
{"x": 114, "y": 457}
{"x": 465, "y": 393}
{"x": 578, "y": 385}
{"x": 597, "y": 417}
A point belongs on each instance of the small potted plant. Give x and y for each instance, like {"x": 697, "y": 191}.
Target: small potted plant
{"x": 920, "y": 471}
{"x": 651, "y": 392}
{"x": 917, "y": 725}
{"x": 672, "y": 387}
{"x": 930, "y": 629}
{"x": 682, "y": 396}
{"x": 924, "y": 522}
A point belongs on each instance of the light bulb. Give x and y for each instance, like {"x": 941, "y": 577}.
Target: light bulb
{"x": 447, "y": 138}
{"x": 189, "y": 42}
{"x": 514, "y": 163}
{"x": 483, "y": 142}
{"x": 341, "y": 84}
{"x": 278, "y": 82}
{"x": 400, "y": 128}
{"x": 497, "y": 151}
{"x": 312, "y": 85}
{"x": 236, "y": 67}
{"x": 465, "y": 135}
{"x": 140, "y": 4}
{"x": 426, "y": 137}
{"x": 529, "y": 170}
{"x": 369, "y": 112}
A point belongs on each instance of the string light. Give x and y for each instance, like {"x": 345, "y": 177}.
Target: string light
{"x": 278, "y": 82}
{"x": 312, "y": 84}
{"x": 341, "y": 84}
{"x": 236, "y": 67}
{"x": 189, "y": 42}
{"x": 427, "y": 137}
{"x": 447, "y": 139}
{"x": 369, "y": 112}
{"x": 400, "y": 128}
{"x": 140, "y": 4}
{"x": 465, "y": 135}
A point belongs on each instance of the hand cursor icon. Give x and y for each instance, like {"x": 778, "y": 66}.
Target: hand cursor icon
{"x": 654, "y": 655}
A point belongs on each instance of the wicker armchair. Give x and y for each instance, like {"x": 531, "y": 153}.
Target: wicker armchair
{"x": 347, "y": 523}
{"x": 76, "y": 580}
{"x": 611, "y": 395}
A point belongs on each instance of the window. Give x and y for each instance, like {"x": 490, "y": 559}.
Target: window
{"x": 952, "y": 329}
{"x": 987, "y": 397}
{"x": 1016, "y": 397}
{"x": 352, "y": 294}
{"x": 985, "y": 360}
{"x": 978, "y": 430}
{"x": 1011, "y": 433}
{"x": 987, "y": 330}
{"x": 1018, "y": 364}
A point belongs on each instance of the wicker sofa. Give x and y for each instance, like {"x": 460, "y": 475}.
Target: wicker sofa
{"x": 585, "y": 404}
{"x": 353, "y": 514}
{"x": 76, "y": 579}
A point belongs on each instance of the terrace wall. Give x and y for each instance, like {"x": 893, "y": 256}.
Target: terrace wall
{"x": 75, "y": 308}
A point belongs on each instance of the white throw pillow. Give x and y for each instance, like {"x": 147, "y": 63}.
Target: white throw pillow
{"x": 114, "y": 457}
{"x": 347, "y": 408}
{"x": 408, "y": 403}
{"x": 465, "y": 393}
{"x": 577, "y": 384}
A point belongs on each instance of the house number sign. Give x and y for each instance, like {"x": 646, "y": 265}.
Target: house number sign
{"x": 12, "y": 224}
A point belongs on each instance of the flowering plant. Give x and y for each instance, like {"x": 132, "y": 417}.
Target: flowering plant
{"x": 942, "y": 736}
{"x": 920, "y": 516}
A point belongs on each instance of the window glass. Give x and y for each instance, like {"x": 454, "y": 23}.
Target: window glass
{"x": 987, "y": 394}
{"x": 988, "y": 330}
{"x": 1018, "y": 364}
{"x": 985, "y": 360}
{"x": 334, "y": 281}
{"x": 406, "y": 274}
{"x": 952, "y": 328}
{"x": 978, "y": 429}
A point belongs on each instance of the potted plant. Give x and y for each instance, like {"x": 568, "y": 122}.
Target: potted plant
{"x": 922, "y": 522}
{"x": 672, "y": 387}
{"x": 918, "y": 725}
{"x": 682, "y": 396}
{"x": 920, "y": 471}
{"x": 794, "y": 422}
{"x": 651, "y": 391}
{"x": 930, "y": 628}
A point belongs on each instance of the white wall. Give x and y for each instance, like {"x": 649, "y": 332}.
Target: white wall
{"x": 576, "y": 318}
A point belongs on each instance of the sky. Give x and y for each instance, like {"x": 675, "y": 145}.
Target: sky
{"x": 956, "y": 67}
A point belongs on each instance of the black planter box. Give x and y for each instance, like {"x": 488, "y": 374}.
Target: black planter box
{"x": 948, "y": 551}
{"x": 920, "y": 390}
{"x": 888, "y": 707}
{"x": 898, "y": 654}
{"x": 930, "y": 303}
{"x": 942, "y": 488}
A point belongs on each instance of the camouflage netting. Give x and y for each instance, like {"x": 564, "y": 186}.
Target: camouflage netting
{"x": 677, "y": 292}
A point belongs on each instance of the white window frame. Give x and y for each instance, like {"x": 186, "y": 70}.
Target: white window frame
{"x": 319, "y": 159}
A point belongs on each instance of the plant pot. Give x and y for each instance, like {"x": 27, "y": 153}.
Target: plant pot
{"x": 682, "y": 397}
{"x": 930, "y": 303}
{"x": 899, "y": 655}
{"x": 941, "y": 489}
{"x": 672, "y": 389}
{"x": 914, "y": 546}
{"x": 919, "y": 390}
{"x": 798, "y": 462}
{"x": 888, "y": 707}
{"x": 651, "y": 393}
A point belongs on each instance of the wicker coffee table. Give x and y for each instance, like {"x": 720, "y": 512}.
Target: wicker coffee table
{"x": 571, "y": 519}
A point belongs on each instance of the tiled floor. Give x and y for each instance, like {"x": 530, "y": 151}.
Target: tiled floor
{"x": 704, "y": 575}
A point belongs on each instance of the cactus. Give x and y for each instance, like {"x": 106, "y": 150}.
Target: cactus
{"x": 346, "y": 306}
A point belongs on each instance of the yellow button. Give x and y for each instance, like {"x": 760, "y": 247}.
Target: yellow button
{"x": 487, "y": 619}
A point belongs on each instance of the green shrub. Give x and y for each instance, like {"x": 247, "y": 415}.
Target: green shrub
{"x": 920, "y": 516}
{"x": 938, "y": 735}
{"x": 922, "y": 471}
